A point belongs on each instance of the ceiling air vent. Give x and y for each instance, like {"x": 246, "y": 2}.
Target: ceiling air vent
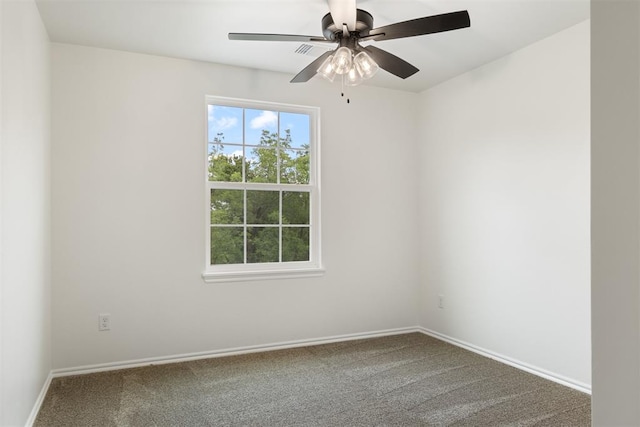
{"x": 307, "y": 49}
{"x": 304, "y": 49}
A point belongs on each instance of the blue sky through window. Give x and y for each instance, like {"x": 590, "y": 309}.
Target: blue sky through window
{"x": 229, "y": 121}
{"x": 226, "y": 120}
{"x": 298, "y": 124}
{"x": 255, "y": 121}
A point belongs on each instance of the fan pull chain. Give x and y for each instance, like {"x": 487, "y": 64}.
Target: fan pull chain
{"x": 342, "y": 93}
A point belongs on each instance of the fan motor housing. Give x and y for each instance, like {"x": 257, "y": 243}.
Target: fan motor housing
{"x": 364, "y": 23}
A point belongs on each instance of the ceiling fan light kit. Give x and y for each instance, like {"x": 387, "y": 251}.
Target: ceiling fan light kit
{"x": 355, "y": 68}
{"x": 353, "y": 77}
{"x": 352, "y": 61}
{"x": 342, "y": 61}
{"x": 326, "y": 70}
{"x": 366, "y": 66}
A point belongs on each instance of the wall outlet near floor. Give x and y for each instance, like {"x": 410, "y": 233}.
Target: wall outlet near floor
{"x": 440, "y": 301}
{"x": 104, "y": 322}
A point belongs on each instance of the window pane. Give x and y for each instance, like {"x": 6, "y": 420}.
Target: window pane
{"x": 227, "y": 206}
{"x": 295, "y": 244}
{"x": 262, "y": 244}
{"x": 263, "y": 207}
{"x": 295, "y": 207}
{"x": 294, "y": 130}
{"x": 261, "y": 127}
{"x": 227, "y": 245}
{"x": 225, "y": 163}
{"x": 262, "y": 164}
{"x": 294, "y": 167}
{"x": 260, "y": 186}
{"x": 225, "y": 124}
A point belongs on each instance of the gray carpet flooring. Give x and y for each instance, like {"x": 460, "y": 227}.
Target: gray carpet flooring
{"x": 401, "y": 380}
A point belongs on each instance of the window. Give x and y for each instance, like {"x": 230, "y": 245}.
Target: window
{"x": 262, "y": 190}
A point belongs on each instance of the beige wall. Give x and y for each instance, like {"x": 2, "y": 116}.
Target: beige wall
{"x": 25, "y": 356}
{"x": 615, "y": 193}
{"x": 504, "y": 206}
{"x": 129, "y": 224}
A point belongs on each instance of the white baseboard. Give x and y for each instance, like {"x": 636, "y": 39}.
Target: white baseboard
{"x": 577, "y": 385}
{"x": 87, "y": 369}
{"x": 38, "y": 404}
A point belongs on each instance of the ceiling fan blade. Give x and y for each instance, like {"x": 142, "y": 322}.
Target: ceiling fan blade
{"x": 310, "y": 70}
{"x": 343, "y": 12}
{"x": 390, "y": 62}
{"x": 421, "y": 26}
{"x": 277, "y": 37}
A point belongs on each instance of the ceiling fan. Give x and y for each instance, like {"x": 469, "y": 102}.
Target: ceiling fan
{"x": 348, "y": 27}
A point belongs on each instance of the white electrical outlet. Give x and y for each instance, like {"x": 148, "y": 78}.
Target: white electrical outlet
{"x": 441, "y": 301}
{"x": 104, "y": 322}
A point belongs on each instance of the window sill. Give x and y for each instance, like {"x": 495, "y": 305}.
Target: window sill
{"x": 244, "y": 276}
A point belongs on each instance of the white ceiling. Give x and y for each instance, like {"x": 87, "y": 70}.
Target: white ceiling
{"x": 197, "y": 29}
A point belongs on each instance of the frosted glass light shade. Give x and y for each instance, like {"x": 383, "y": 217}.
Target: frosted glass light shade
{"x": 365, "y": 65}
{"x": 353, "y": 77}
{"x": 326, "y": 69}
{"x": 342, "y": 60}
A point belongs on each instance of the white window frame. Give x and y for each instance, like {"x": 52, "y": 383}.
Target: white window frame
{"x": 274, "y": 270}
